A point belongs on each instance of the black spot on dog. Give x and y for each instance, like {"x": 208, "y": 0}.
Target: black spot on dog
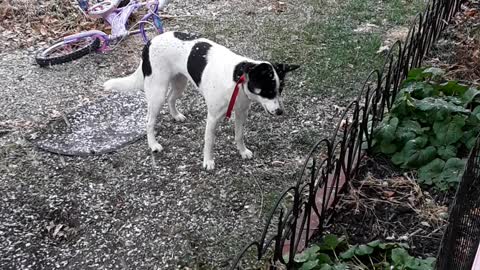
{"x": 146, "y": 66}
{"x": 240, "y": 69}
{"x": 185, "y": 36}
{"x": 197, "y": 61}
{"x": 262, "y": 77}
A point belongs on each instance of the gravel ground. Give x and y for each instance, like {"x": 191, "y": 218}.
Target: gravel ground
{"x": 131, "y": 209}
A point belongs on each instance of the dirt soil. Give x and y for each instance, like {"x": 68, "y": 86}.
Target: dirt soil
{"x": 391, "y": 206}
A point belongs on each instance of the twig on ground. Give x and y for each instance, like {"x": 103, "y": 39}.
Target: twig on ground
{"x": 261, "y": 198}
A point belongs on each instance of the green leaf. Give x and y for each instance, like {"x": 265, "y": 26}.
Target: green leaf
{"x": 408, "y": 130}
{"x": 421, "y": 157}
{"x": 324, "y": 258}
{"x": 429, "y": 261}
{"x": 400, "y": 256}
{"x": 476, "y": 112}
{"x": 453, "y": 170}
{"x": 413, "y": 154}
{"x": 363, "y": 250}
{"x": 349, "y": 253}
{"x": 340, "y": 266}
{"x": 454, "y": 100}
{"x": 286, "y": 257}
{"x": 387, "y": 132}
{"x": 307, "y": 255}
{"x": 438, "y": 105}
{"x": 388, "y": 148}
{"x": 309, "y": 265}
{"x": 420, "y": 90}
{"x": 452, "y": 88}
{"x": 330, "y": 242}
{"x": 469, "y": 96}
{"x": 421, "y": 74}
{"x": 412, "y": 263}
{"x": 386, "y": 246}
{"x": 449, "y": 131}
{"x": 404, "y": 105}
{"x": 472, "y": 120}
{"x": 416, "y": 74}
{"x": 470, "y": 137}
{"x": 398, "y": 159}
{"x": 446, "y": 152}
{"x": 374, "y": 244}
{"x": 431, "y": 172}
{"x": 435, "y": 73}
{"x": 326, "y": 267}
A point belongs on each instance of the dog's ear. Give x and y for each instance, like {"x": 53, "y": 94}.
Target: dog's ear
{"x": 284, "y": 68}
{"x": 260, "y": 71}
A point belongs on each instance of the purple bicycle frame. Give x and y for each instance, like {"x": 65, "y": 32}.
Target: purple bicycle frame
{"x": 118, "y": 20}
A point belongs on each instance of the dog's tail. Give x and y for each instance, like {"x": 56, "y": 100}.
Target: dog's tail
{"x": 131, "y": 83}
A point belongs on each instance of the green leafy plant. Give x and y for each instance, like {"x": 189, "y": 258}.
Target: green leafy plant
{"x": 431, "y": 126}
{"x": 334, "y": 253}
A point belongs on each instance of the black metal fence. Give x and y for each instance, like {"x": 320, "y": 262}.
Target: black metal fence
{"x": 462, "y": 237}
{"x": 303, "y": 209}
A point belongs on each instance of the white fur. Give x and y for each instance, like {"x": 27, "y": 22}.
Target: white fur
{"x": 168, "y": 57}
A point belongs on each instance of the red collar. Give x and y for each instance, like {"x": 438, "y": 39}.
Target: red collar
{"x": 234, "y": 96}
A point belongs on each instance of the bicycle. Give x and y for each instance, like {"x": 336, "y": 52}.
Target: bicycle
{"x": 114, "y": 12}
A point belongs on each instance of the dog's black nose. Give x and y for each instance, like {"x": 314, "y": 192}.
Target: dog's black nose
{"x": 279, "y": 112}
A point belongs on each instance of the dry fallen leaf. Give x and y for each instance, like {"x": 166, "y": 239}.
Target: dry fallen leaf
{"x": 279, "y": 6}
{"x": 43, "y": 30}
{"x": 471, "y": 12}
{"x": 388, "y": 194}
{"x": 57, "y": 229}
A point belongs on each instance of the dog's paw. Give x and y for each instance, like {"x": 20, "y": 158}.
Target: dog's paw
{"x": 180, "y": 117}
{"x": 156, "y": 147}
{"x": 247, "y": 154}
{"x": 209, "y": 165}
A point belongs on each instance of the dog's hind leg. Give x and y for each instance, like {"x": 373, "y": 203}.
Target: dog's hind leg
{"x": 178, "y": 83}
{"x": 156, "y": 94}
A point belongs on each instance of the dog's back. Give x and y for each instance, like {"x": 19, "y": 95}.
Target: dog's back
{"x": 205, "y": 63}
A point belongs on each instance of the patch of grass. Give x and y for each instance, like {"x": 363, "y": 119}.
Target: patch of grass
{"x": 269, "y": 201}
{"x": 335, "y": 57}
{"x": 306, "y": 138}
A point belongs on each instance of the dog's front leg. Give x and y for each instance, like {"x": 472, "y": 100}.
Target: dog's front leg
{"x": 240, "y": 119}
{"x": 208, "y": 161}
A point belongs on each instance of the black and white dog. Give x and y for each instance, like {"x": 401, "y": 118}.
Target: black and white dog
{"x": 174, "y": 58}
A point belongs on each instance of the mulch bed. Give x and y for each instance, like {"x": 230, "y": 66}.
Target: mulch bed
{"x": 389, "y": 205}
{"x": 459, "y": 50}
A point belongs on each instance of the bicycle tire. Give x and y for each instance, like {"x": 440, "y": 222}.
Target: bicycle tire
{"x": 43, "y": 59}
{"x": 157, "y": 25}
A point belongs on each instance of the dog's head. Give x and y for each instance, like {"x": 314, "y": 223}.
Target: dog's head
{"x": 265, "y": 85}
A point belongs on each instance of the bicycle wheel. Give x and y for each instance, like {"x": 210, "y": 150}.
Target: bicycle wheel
{"x": 150, "y": 27}
{"x": 63, "y": 52}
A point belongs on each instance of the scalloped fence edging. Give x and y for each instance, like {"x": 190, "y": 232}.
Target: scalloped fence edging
{"x": 332, "y": 162}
